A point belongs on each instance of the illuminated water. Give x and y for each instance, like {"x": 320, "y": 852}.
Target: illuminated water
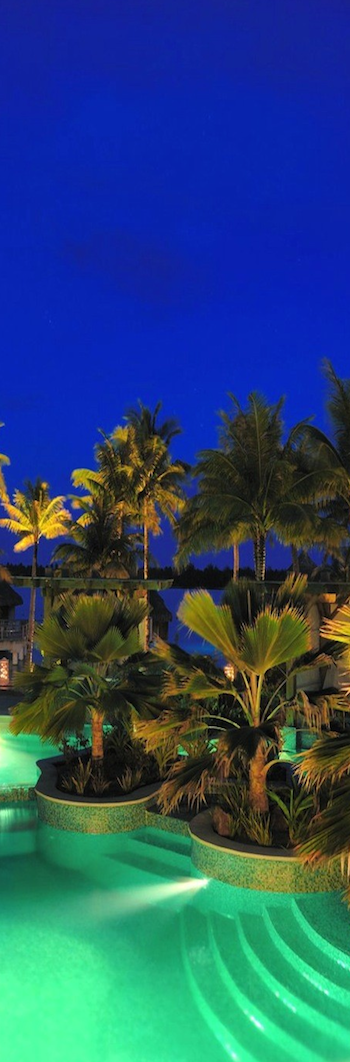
{"x": 18, "y": 756}
{"x": 111, "y": 948}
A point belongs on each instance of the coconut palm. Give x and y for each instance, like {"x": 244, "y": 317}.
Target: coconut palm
{"x": 254, "y": 637}
{"x": 327, "y": 764}
{"x": 3, "y": 461}
{"x": 31, "y": 516}
{"x": 154, "y": 482}
{"x": 98, "y": 547}
{"x": 338, "y": 406}
{"x": 254, "y": 485}
{"x": 91, "y": 671}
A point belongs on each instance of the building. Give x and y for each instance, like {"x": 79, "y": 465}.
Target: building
{"x": 13, "y": 635}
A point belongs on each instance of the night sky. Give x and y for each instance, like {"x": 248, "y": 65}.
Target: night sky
{"x": 175, "y": 216}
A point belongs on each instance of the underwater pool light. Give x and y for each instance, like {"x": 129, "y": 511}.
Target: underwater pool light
{"x": 126, "y": 901}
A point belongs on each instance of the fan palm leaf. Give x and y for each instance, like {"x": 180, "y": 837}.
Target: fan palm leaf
{"x": 96, "y": 671}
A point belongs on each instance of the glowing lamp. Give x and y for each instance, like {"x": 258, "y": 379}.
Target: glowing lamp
{"x": 229, "y": 671}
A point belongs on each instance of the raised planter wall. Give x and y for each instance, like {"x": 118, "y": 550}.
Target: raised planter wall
{"x": 246, "y": 867}
{"x": 249, "y": 867}
{"x": 82, "y": 814}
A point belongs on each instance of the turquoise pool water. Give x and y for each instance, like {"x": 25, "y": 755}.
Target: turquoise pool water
{"x": 18, "y": 756}
{"x": 113, "y": 949}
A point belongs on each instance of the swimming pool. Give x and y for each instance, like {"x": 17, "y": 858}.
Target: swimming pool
{"x": 18, "y": 756}
{"x": 113, "y": 948}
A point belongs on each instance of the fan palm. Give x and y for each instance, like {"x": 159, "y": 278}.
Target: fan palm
{"x": 254, "y": 638}
{"x": 328, "y": 763}
{"x": 31, "y": 516}
{"x": 94, "y": 671}
{"x": 3, "y": 461}
{"x": 254, "y": 486}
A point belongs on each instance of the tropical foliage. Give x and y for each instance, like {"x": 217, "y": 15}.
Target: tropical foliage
{"x": 255, "y": 639}
{"x": 91, "y": 672}
{"x": 254, "y": 485}
{"x": 98, "y": 543}
{"x": 137, "y": 457}
{"x": 31, "y": 516}
{"x": 3, "y": 461}
{"x": 326, "y": 769}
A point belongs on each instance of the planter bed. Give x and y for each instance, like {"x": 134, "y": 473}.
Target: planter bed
{"x": 253, "y": 867}
{"x": 88, "y": 814}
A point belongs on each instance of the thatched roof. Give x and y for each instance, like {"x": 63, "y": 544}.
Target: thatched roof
{"x": 8, "y": 596}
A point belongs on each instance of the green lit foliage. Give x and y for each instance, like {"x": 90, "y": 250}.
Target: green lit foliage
{"x": 298, "y": 810}
{"x": 256, "y": 638}
{"x": 78, "y": 779}
{"x": 326, "y": 768}
{"x": 93, "y": 671}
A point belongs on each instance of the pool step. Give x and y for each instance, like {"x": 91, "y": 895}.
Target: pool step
{"x": 288, "y": 980}
{"x": 293, "y": 1016}
{"x": 327, "y": 940}
{"x": 172, "y": 842}
{"x": 234, "y": 977}
{"x": 158, "y": 866}
{"x": 314, "y": 962}
{"x": 213, "y": 1001}
{"x": 238, "y": 1001}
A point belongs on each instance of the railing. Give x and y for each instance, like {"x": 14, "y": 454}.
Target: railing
{"x": 13, "y": 630}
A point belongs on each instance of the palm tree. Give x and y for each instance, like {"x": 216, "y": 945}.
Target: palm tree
{"x": 3, "y": 461}
{"x": 31, "y": 516}
{"x": 154, "y": 481}
{"x": 254, "y": 638}
{"x": 338, "y": 406}
{"x": 98, "y": 547}
{"x": 254, "y": 485}
{"x": 94, "y": 671}
{"x": 327, "y": 766}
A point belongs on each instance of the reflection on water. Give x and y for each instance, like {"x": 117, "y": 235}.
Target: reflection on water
{"x": 16, "y": 817}
{"x": 19, "y": 755}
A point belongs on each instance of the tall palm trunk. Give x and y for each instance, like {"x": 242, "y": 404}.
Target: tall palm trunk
{"x": 257, "y": 780}
{"x": 260, "y": 556}
{"x": 96, "y": 739}
{"x": 235, "y": 561}
{"x": 145, "y": 574}
{"x": 31, "y": 619}
{"x": 295, "y": 560}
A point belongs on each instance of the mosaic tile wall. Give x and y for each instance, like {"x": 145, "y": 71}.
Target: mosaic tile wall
{"x": 89, "y": 818}
{"x": 264, "y": 874}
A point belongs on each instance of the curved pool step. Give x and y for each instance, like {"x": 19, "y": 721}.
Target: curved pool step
{"x": 301, "y": 1010}
{"x": 243, "y": 1028}
{"x": 301, "y": 1033}
{"x": 322, "y": 940}
{"x": 152, "y": 864}
{"x": 172, "y": 842}
{"x": 146, "y": 850}
{"x": 317, "y": 966}
{"x": 288, "y": 980}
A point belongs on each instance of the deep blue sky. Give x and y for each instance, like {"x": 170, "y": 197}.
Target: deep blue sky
{"x": 175, "y": 215}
